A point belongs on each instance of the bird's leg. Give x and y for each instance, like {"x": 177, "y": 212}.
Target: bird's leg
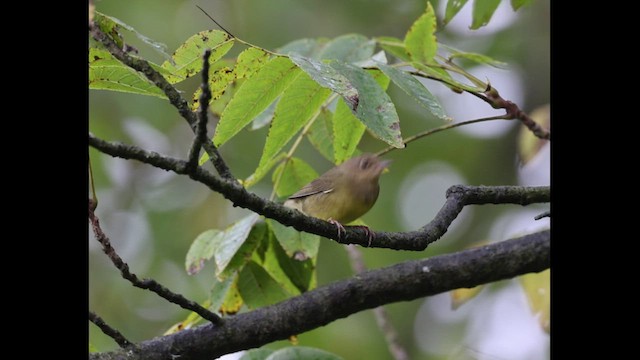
{"x": 367, "y": 231}
{"x": 339, "y": 226}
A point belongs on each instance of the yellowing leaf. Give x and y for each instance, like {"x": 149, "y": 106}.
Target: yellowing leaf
{"x": 537, "y": 287}
{"x": 528, "y": 144}
{"x": 420, "y": 40}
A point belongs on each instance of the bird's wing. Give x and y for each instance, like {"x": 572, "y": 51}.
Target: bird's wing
{"x": 317, "y": 186}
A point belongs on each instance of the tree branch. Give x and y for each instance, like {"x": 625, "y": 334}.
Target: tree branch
{"x": 109, "y": 331}
{"x": 514, "y": 112}
{"x": 169, "y": 90}
{"x": 201, "y": 128}
{"x": 147, "y": 284}
{"x": 401, "y": 282}
{"x": 458, "y": 196}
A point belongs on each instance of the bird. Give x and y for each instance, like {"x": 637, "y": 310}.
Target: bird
{"x": 343, "y": 193}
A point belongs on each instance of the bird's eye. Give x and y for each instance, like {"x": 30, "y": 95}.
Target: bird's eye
{"x": 364, "y": 163}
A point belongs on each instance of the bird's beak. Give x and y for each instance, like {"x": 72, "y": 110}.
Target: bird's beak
{"x": 384, "y": 165}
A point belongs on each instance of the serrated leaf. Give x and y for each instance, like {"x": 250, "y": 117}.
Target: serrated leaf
{"x": 250, "y": 61}
{"x": 232, "y": 239}
{"x": 232, "y": 301}
{"x": 530, "y": 145}
{"x": 537, "y": 288}
{"x": 298, "y": 245}
{"x": 320, "y": 134}
{"x": 371, "y": 104}
{"x": 254, "y": 96}
{"x": 107, "y": 73}
{"x": 461, "y": 296}
{"x": 201, "y": 250}
{"x": 264, "y": 170}
{"x": 221, "y": 76}
{"x": 348, "y": 48}
{"x": 415, "y": 89}
{"x": 453, "y": 7}
{"x": 482, "y": 12}
{"x": 258, "y": 288}
{"x": 517, "y": 4}
{"x": 292, "y": 175}
{"x": 256, "y": 354}
{"x": 394, "y": 46}
{"x": 256, "y": 236}
{"x": 420, "y": 40}
{"x": 347, "y": 132}
{"x": 298, "y": 105}
{"x": 302, "y": 352}
{"x": 187, "y": 59}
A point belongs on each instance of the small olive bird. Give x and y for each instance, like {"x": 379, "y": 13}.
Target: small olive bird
{"x": 343, "y": 193}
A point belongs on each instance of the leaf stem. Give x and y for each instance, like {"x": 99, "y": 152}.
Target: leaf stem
{"x": 442, "y": 128}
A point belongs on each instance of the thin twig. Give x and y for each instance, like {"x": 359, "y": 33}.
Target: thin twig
{"x": 458, "y": 196}
{"x": 109, "y": 331}
{"x": 214, "y": 20}
{"x": 203, "y": 112}
{"x": 169, "y": 90}
{"x": 543, "y": 215}
{"x": 515, "y": 113}
{"x": 382, "y": 317}
{"x": 94, "y": 196}
{"x": 148, "y": 284}
{"x": 441, "y": 128}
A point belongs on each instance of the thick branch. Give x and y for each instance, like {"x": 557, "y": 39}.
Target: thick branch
{"x": 457, "y": 198}
{"x": 169, "y": 90}
{"x": 402, "y": 282}
{"x": 147, "y": 284}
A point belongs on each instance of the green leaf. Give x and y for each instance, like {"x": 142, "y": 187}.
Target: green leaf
{"x": 517, "y": 4}
{"x": 309, "y": 48}
{"x": 296, "y": 244}
{"x": 232, "y": 300}
{"x": 219, "y": 292}
{"x": 302, "y": 352}
{"x": 187, "y": 59}
{"x": 348, "y": 48}
{"x": 221, "y": 76}
{"x": 258, "y": 288}
{"x": 371, "y": 104}
{"x": 254, "y": 96}
{"x": 294, "y": 276}
{"x": 347, "y": 132}
{"x": 479, "y": 58}
{"x": 394, "y": 46}
{"x": 420, "y": 40}
{"x": 262, "y": 171}
{"x": 298, "y": 105}
{"x": 453, "y": 7}
{"x": 92, "y": 348}
{"x": 320, "y": 134}
{"x": 265, "y": 117}
{"x": 482, "y": 12}
{"x": 202, "y": 249}
{"x": 326, "y": 76}
{"x": 415, "y": 89}
{"x": 537, "y": 288}
{"x": 257, "y": 235}
{"x": 250, "y": 61}
{"x": 107, "y": 73}
{"x": 110, "y": 23}
{"x": 446, "y": 77}
{"x": 295, "y": 175}
{"x": 256, "y": 354}
{"x": 232, "y": 239}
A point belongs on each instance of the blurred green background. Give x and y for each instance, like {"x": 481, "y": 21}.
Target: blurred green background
{"x": 153, "y": 216}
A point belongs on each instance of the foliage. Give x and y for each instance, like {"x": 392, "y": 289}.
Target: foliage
{"x": 328, "y": 91}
